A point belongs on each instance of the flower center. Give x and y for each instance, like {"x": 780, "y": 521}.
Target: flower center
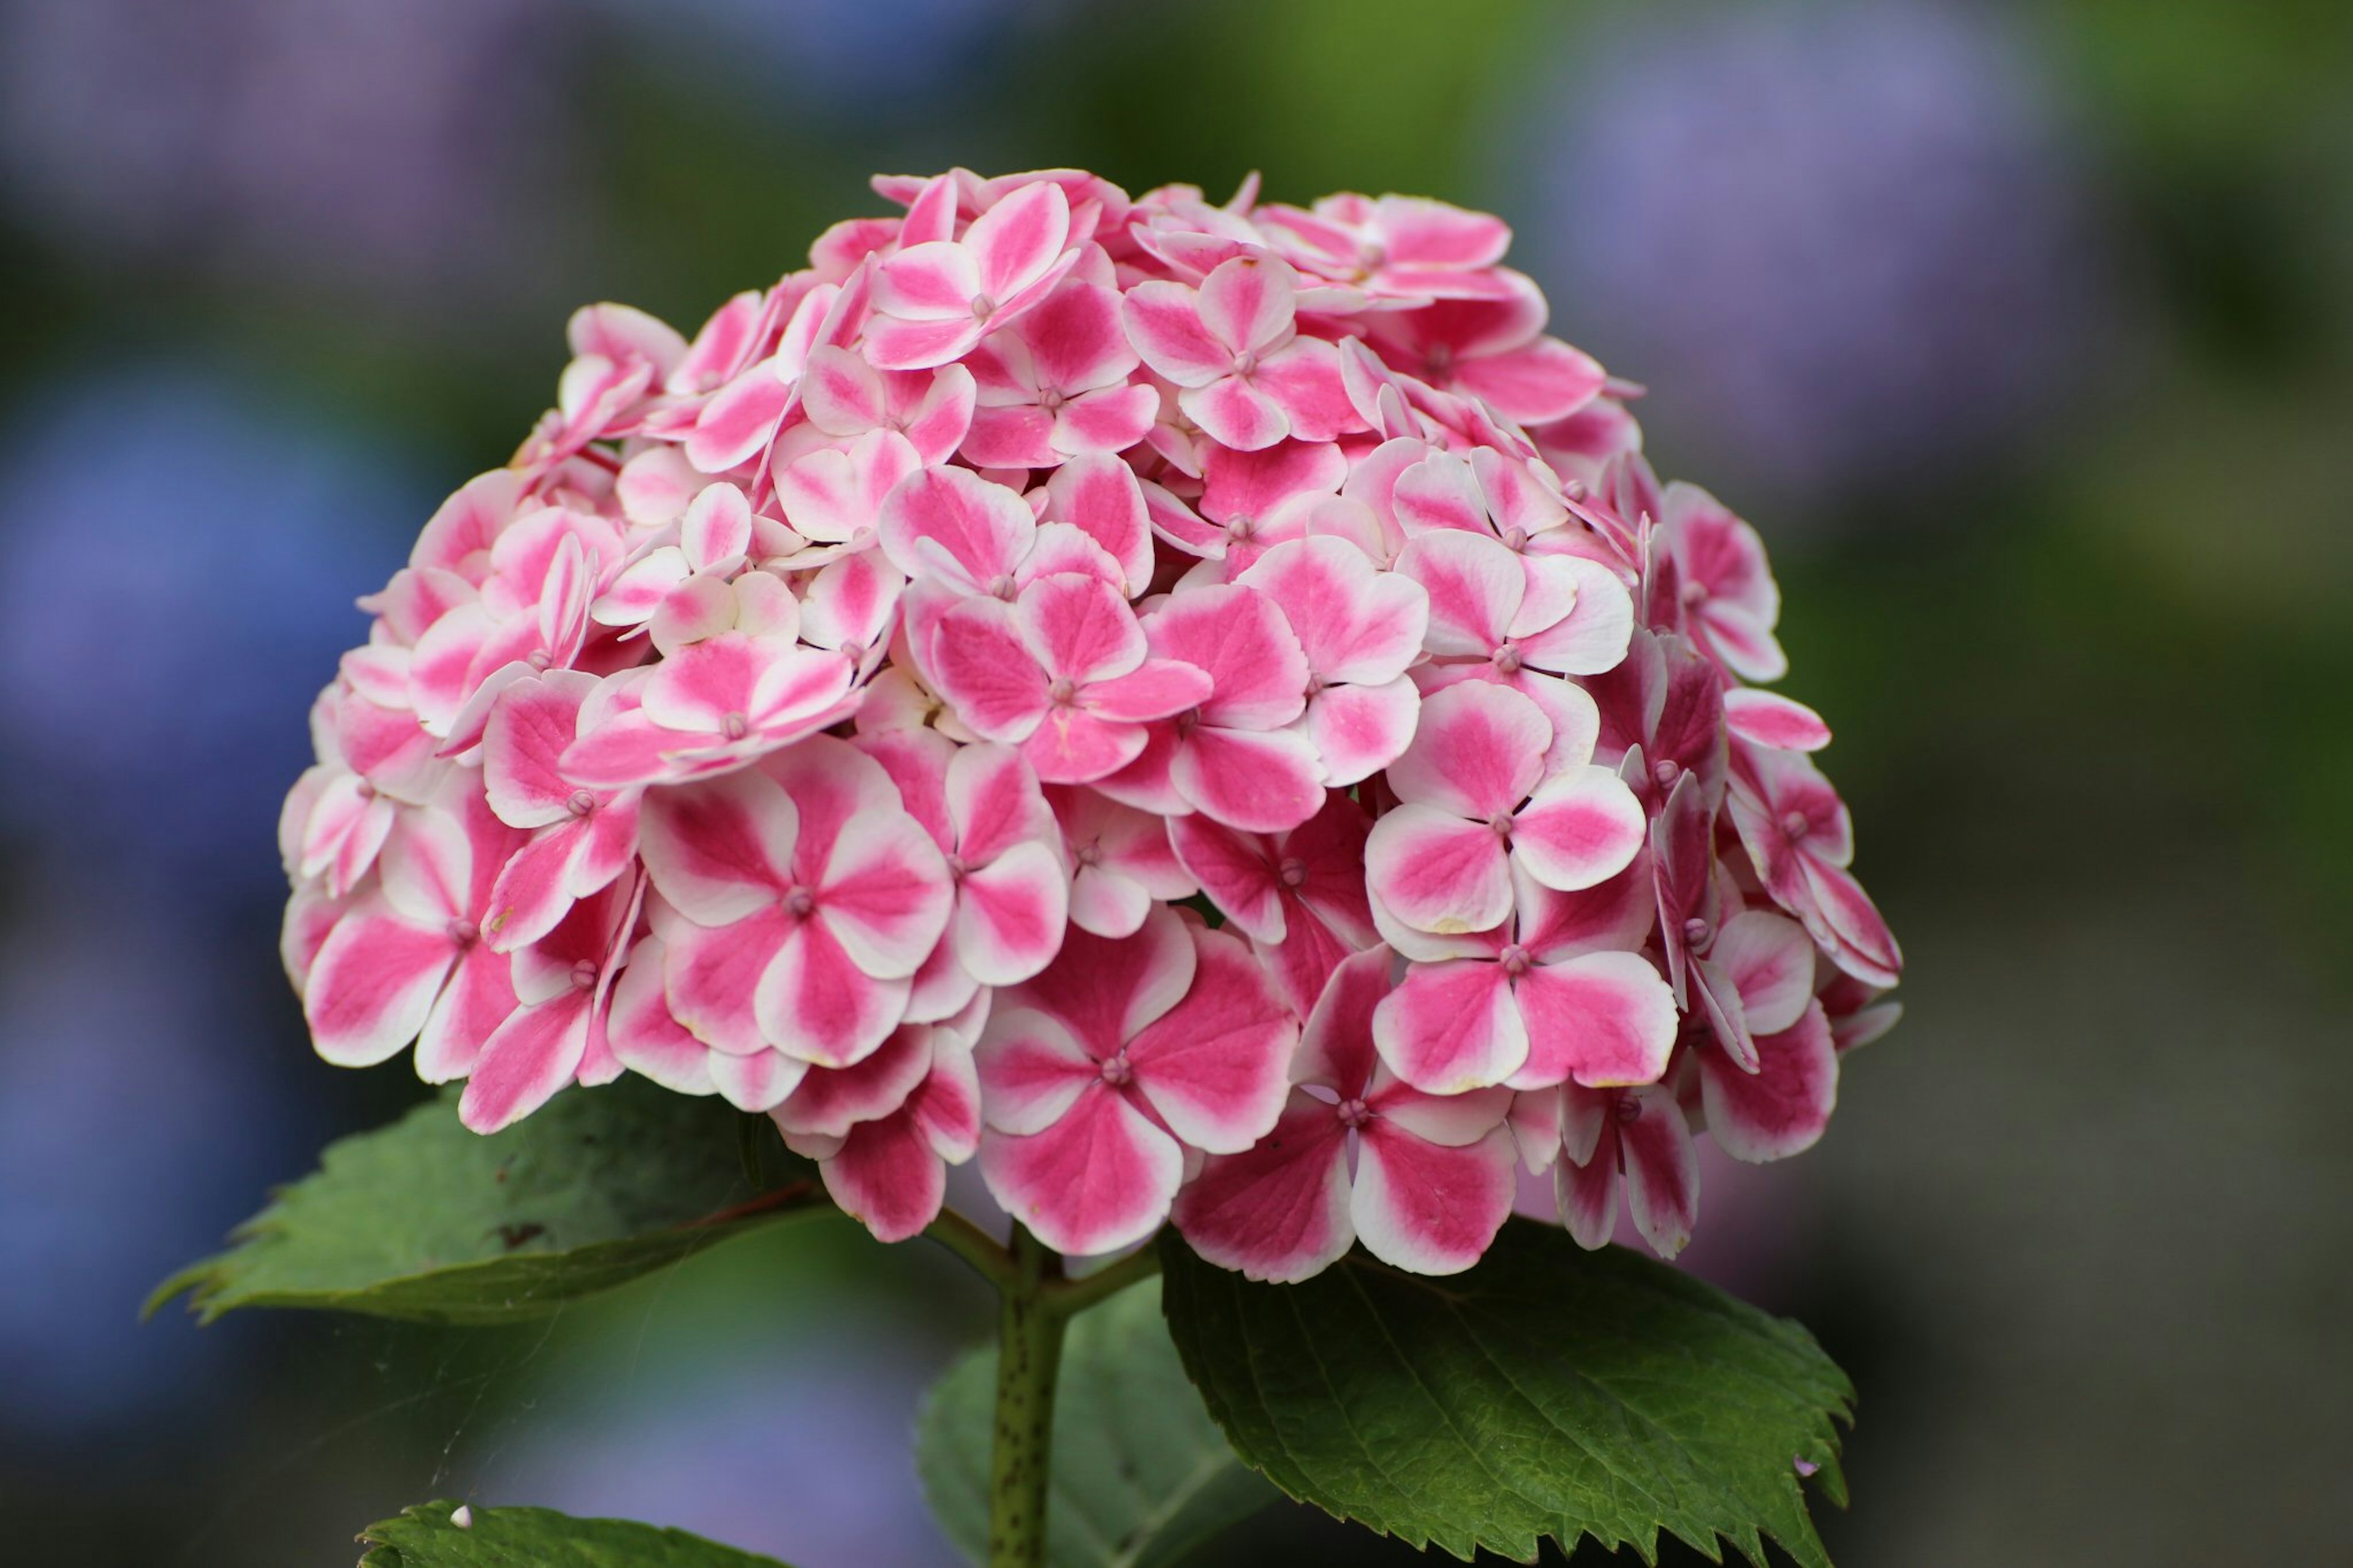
{"x": 983, "y": 307}
{"x": 1666, "y": 769}
{"x": 580, "y": 803}
{"x": 1628, "y": 1109}
{"x": 1515, "y": 960}
{"x": 957, "y": 870}
{"x": 1293, "y": 871}
{"x": 1516, "y": 538}
{"x": 1061, "y": 692}
{"x": 1090, "y": 854}
{"x": 1440, "y": 359}
{"x": 1501, "y": 823}
{"x": 800, "y": 903}
{"x": 735, "y": 726}
{"x": 539, "y": 658}
{"x": 1051, "y": 398}
{"x": 1692, "y": 593}
{"x": 464, "y": 932}
{"x": 1245, "y": 362}
{"x": 583, "y": 975}
{"x": 1240, "y": 528}
{"x": 1188, "y": 720}
{"x": 1507, "y": 658}
{"x": 1695, "y": 932}
{"x": 1794, "y": 824}
{"x": 1002, "y": 587}
{"x": 1353, "y": 1113}
{"x": 1117, "y": 1070}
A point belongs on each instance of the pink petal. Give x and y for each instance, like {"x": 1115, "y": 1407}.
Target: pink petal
{"x": 1785, "y": 1106}
{"x": 717, "y": 527}
{"x": 841, "y": 394}
{"x": 1164, "y": 323}
{"x": 1580, "y": 828}
{"x": 896, "y": 342}
{"x": 1587, "y": 1194}
{"x": 950, "y": 523}
{"x": 934, "y": 281}
{"x": 1032, "y": 1070}
{"x": 1357, "y": 731}
{"x": 1476, "y": 587}
{"x": 1771, "y": 720}
{"x": 1437, "y": 872}
{"x": 985, "y": 668}
{"x": 1452, "y": 1026}
{"x": 1234, "y": 414}
{"x": 1099, "y": 495}
{"x": 887, "y": 1177}
{"x": 1107, "y": 991}
{"x": 830, "y": 1101}
{"x": 1156, "y": 688}
{"x": 1108, "y": 421}
{"x": 1011, "y": 914}
{"x": 372, "y": 983}
{"x": 1605, "y": 1018}
{"x": 720, "y": 850}
{"x": 709, "y": 978}
{"x": 813, "y": 1002}
{"x": 1073, "y": 746}
{"x": 1849, "y": 925}
{"x": 1105, "y": 903}
{"x": 1336, "y": 1046}
{"x": 885, "y": 894}
{"x": 1021, "y": 437}
{"x": 1075, "y": 340}
{"x": 1259, "y": 781}
{"x": 1661, "y": 1170}
{"x": 1426, "y": 1208}
{"x": 1305, "y": 382}
{"x": 1542, "y": 381}
{"x": 1246, "y": 303}
{"x": 1015, "y": 241}
{"x": 935, "y": 427}
{"x": 738, "y": 421}
{"x": 533, "y": 891}
{"x": 1239, "y": 637}
{"x": 1278, "y": 1211}
{"x": 643, "y": 1035}
{"x": 1593, "y": 635}
{"x": 1478, "y": 749}
{"x": 1079, "y": 628}
{"x": 835, "y": 496}
{"x": 534, "y": 1054}
{"x": 1770, "y": 961}
{"x": 1234, "y": 873}
{"x": 1099, "y": 1179}
{"x": 1355, "y": 623}
{"x": 758, "y": 1082}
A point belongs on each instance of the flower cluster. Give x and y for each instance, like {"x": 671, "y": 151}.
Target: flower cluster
{"x": 1203, "y": 707}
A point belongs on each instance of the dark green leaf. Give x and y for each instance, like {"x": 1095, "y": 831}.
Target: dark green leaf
{"x": 1141, "y": 1475}
{"x": 1548, "y": 1392}
{"x": 427, "y": 1221}
{"x": 427, "y": 1537}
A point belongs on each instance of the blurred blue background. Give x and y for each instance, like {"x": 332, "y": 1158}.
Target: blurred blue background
{"x": 2025, "y": 334}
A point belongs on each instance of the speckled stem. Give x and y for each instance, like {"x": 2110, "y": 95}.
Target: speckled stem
{"x": 1030, "y": 1356}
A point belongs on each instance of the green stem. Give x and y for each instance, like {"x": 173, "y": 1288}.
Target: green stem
{"x": 974, "y": 1245}
{"x": 1028, "y": 1357}
{"x": 1071, "y": 1297}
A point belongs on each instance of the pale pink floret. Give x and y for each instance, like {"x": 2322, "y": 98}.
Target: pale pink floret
{"x": 1064, "y": 672}
{"x": 1058, "y": 384}
{"x": 807, "y": 897}
{"x": 1396, "y": 246}
{"x": 1360, "y": 630}
{"x": 1798, "y": 833}
{"x": 1491, "y": 348}
{"x": 1610, "y": 1141}
{"x": 1099, "y": 1075}
{"x": 408, "y": 962}
{"x": 886, "y": 1131}
{"x": 714, "y": 706}
{"x": 981, "y": 806}
{"x": 1298, "y": 896}
{"x": 1232, "y": 753}
{"x": 1477, "y": 802}
{"x": 581, "y": 838}
{"x": 1122, "y": 863}
{"x": 935, "y": 301}
{"x": 1558, "y": 992}
{"x": 1425, "y": 1181}
{"x": 1247, "y": 377}
{"x": 557, "y": 1033}
{"x": 1721, "y": 585}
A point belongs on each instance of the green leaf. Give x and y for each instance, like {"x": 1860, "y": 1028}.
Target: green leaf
{"x": 427, "y": 1221}
{"x": 428, "y": 1537}
{"x": 1141, "y": 1475}
{"x": 1548, "y": 1392}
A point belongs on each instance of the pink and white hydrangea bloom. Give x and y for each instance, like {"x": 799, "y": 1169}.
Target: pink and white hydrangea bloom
{"x": 829, "y": 712}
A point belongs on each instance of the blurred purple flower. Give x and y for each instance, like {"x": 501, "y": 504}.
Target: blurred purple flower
{"x": 136, "y": 1125}
{"x": 836, "y": 56}
{"x": 157, "y": 520}
{"x": 818, "y": 1473}
{"x": 377, "y": 143}
{"x": 1848, "y": 243}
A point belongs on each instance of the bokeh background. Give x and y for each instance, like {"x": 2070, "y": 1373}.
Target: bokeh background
{"x": 2024, "y": 335}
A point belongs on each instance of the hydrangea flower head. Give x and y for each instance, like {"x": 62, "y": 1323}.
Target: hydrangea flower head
{"x": 1204, "y": 709}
